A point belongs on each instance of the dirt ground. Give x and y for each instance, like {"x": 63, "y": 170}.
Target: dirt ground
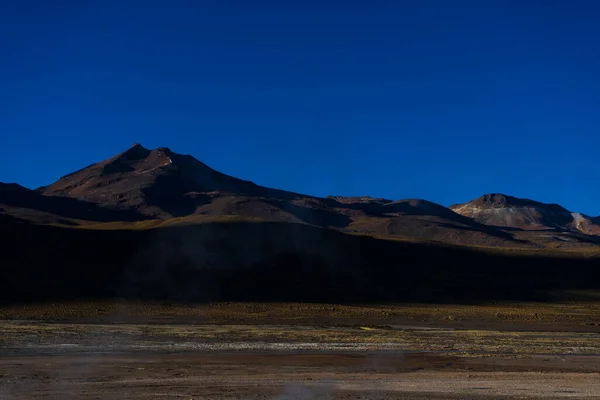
{"x": 581, "y": 316}
{"x": 294, "y": 376}
{"x": 257, "y": 352}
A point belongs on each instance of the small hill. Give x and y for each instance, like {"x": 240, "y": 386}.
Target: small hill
{"x": 428, "y": 221}
{"x": 359, "y": 199}
{"x": 506, "y": 211}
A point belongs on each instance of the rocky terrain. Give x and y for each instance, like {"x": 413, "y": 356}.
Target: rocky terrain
{"x": 299, "y": 351}
{"x": 511, "y": 212}
{"x": 160, "y": 225}
{"x": 141, "y": 184}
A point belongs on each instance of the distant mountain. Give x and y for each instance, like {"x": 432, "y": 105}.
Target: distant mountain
{"x": 140, "y": 184}
{"x": 163, "y": 184}
{"x": 506, "y": 211}
{"x": 154, "y": 224}
{"x": 156, "y": 183}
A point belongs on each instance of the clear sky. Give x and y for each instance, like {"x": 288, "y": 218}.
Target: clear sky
{"x": 443, "y": 100}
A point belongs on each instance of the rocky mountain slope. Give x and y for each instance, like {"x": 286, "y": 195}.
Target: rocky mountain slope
{"x": 140, "y": 184}
{"x": 154, "y": 224}
{"x": 161, "y": 184}
{"x": 157, "y": 183}
{"x": 506, "y": 211}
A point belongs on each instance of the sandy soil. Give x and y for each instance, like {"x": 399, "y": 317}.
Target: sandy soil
{"x": 291, "y": 351}
{"x": 291, "y": 376}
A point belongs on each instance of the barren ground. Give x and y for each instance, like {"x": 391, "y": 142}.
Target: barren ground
{"x": 299, "y": 351}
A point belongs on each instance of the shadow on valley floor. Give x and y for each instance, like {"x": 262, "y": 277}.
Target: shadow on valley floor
{"x": 239, "y": 261}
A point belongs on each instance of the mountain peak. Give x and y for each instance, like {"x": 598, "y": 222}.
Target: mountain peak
{"x": 155, "y": 182}
{"x": 502, "y": 210}
{"x": 500, "y": 200}
{"x": 139, "y": 152}
{"x": 137, "y": 148}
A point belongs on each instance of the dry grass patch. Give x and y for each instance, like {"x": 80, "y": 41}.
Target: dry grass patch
{"x": 574, "y": 316}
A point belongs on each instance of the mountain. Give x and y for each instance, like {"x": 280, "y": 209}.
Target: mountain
{"x": 162, "y": 184}
{"x": 141, "y": 184}
{"x": 506, "y": 211}
{"x": 425, "y": 220}
{"x": 156, "y": 183}
{"x": 160, "y": 225}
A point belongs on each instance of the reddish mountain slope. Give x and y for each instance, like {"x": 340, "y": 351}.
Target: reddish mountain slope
{"x": 156, "y": 183}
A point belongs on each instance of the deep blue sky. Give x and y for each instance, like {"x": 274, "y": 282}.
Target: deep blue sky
{"x": 443, "y": 100}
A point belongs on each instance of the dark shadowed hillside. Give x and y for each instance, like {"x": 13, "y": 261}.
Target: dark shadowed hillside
{"x": 27, "y": 204}
{"x": 268, "y": 261}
